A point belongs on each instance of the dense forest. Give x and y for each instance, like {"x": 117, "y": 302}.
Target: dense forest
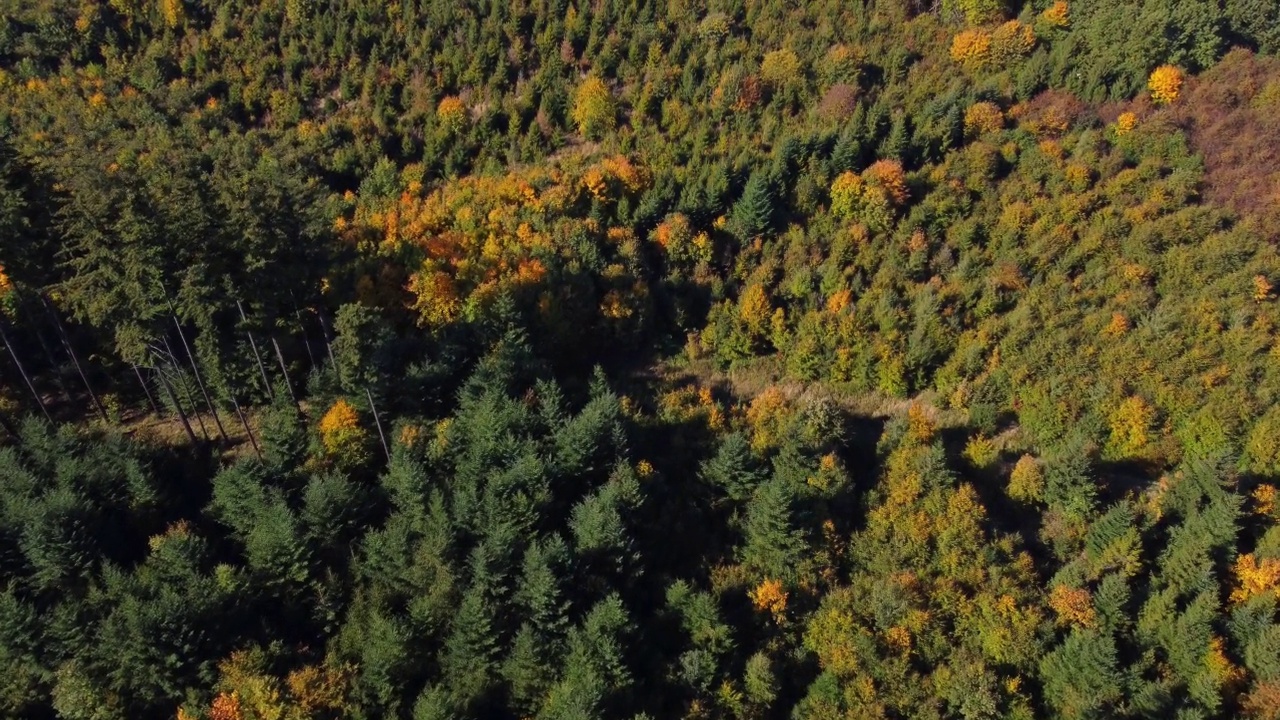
{"x": 557, "y": 359}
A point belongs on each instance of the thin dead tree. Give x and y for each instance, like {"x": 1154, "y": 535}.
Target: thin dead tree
{"x": 23, "y": 372}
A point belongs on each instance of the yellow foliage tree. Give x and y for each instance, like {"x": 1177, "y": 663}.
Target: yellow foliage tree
{"x": 1254, "y": 577}
{"x": 982, "y": 118}
{"x": 593, "y": 108}
{"x": 971, "y": 48}
{"x": 779, "y": 68}
{"x": 343, "y": 439}
{"x": 1126, "y": 123}
{"x": 172, "y": 11}
{"x": 754, "y": 309}
{"x": 1165, "y": 83}
{"x": 452, "y": 113}
{"x": 1026, "y": 482}
{"x": 768, "y": 416}
{"x": 1011, "y": 41}
{"x": 1131, "y": 425}
{"x": 981, "y": 451}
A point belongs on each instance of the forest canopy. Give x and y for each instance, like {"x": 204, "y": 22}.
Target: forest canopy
{"x": 706, "y": 359}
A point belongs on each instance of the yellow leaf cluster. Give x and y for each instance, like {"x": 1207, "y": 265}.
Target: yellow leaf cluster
{"x": 1254, "y": 577}
{"x": 1026, "y": 482}
{"x": 341, "y": 435}
{"x": 451, "y": 112}
{"x": 982, "y": 118}
{"x": 1118, "y": 326}
{"x": 981, "y": 451}
{"x": 593, "y": 107}
{"x": 1220, "y": 666}
{"x": 6, "y": 285}
{"x": 768, "y": 415}
{"x": 172, "y": 11}
{"x": 1131, "y": 425}
{"x": 779, "y": 68}
{"x": 1165, "y": 83}
{"x": 316, "y": 689}
{"x": 921, "y": 426}
{"x": 971, "y": 48}
{"x": 1126, "y": 123}
{"x": 1011, "y": 41}
{"x": 1264, "y": 498}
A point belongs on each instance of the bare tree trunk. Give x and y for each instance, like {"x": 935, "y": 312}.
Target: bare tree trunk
{"x": 147, "y": 390}
{"x": 66, "y": 343}
{"x": 247, "y": 430}
{"x": 23, "y": 372}
{"x": 378, "y": 423}
{"x": 8, "y": 426}
{"x": 284, "y": 371}
{"x": 178, "y": 405}
{"x": 324, "y": 328}
{"x": 47, "y": 350}
{"x": 200, "y": 382}
{"x": 266, "y": 382}
{"x": 186, "y": 389}
{"x": 306, "y": 337}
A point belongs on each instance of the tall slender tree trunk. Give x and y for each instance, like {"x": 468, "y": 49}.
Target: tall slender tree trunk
{"x": 47, "y": 350}
{"x": 284, "y": 371}
{"x": 195, "y": 370}
{"x": 147, "y": 390}
{"x": 328, "y": 342}
{"x": 9, "y": 427}
{"x": 306, "y": 337}
{"x": 23, "y": 372}
{"x": 378, "y": 423}
{"x": 253, "y": 345}
{"x": 177, "y": 405}
{"x": 186, "y": 389}
{"x": 247, "y": 430}
{"x": 71, "y": 352}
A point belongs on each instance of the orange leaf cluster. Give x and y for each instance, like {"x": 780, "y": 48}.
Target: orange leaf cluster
{"x": 226, "y": 707}
{"x": 1057, "y": 14}
{"x": 889, "y": 176}
{"x": 1074, "y": 606}
{"x": 770, "y": 597}
{"x": 451, "y": 112}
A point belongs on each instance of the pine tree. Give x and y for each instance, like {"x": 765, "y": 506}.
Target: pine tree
{"x": 754, "y": 212}
{"x": 775, "y": 545}
{"x": 470, "y": 650}
{"x": 733, "y": 468}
